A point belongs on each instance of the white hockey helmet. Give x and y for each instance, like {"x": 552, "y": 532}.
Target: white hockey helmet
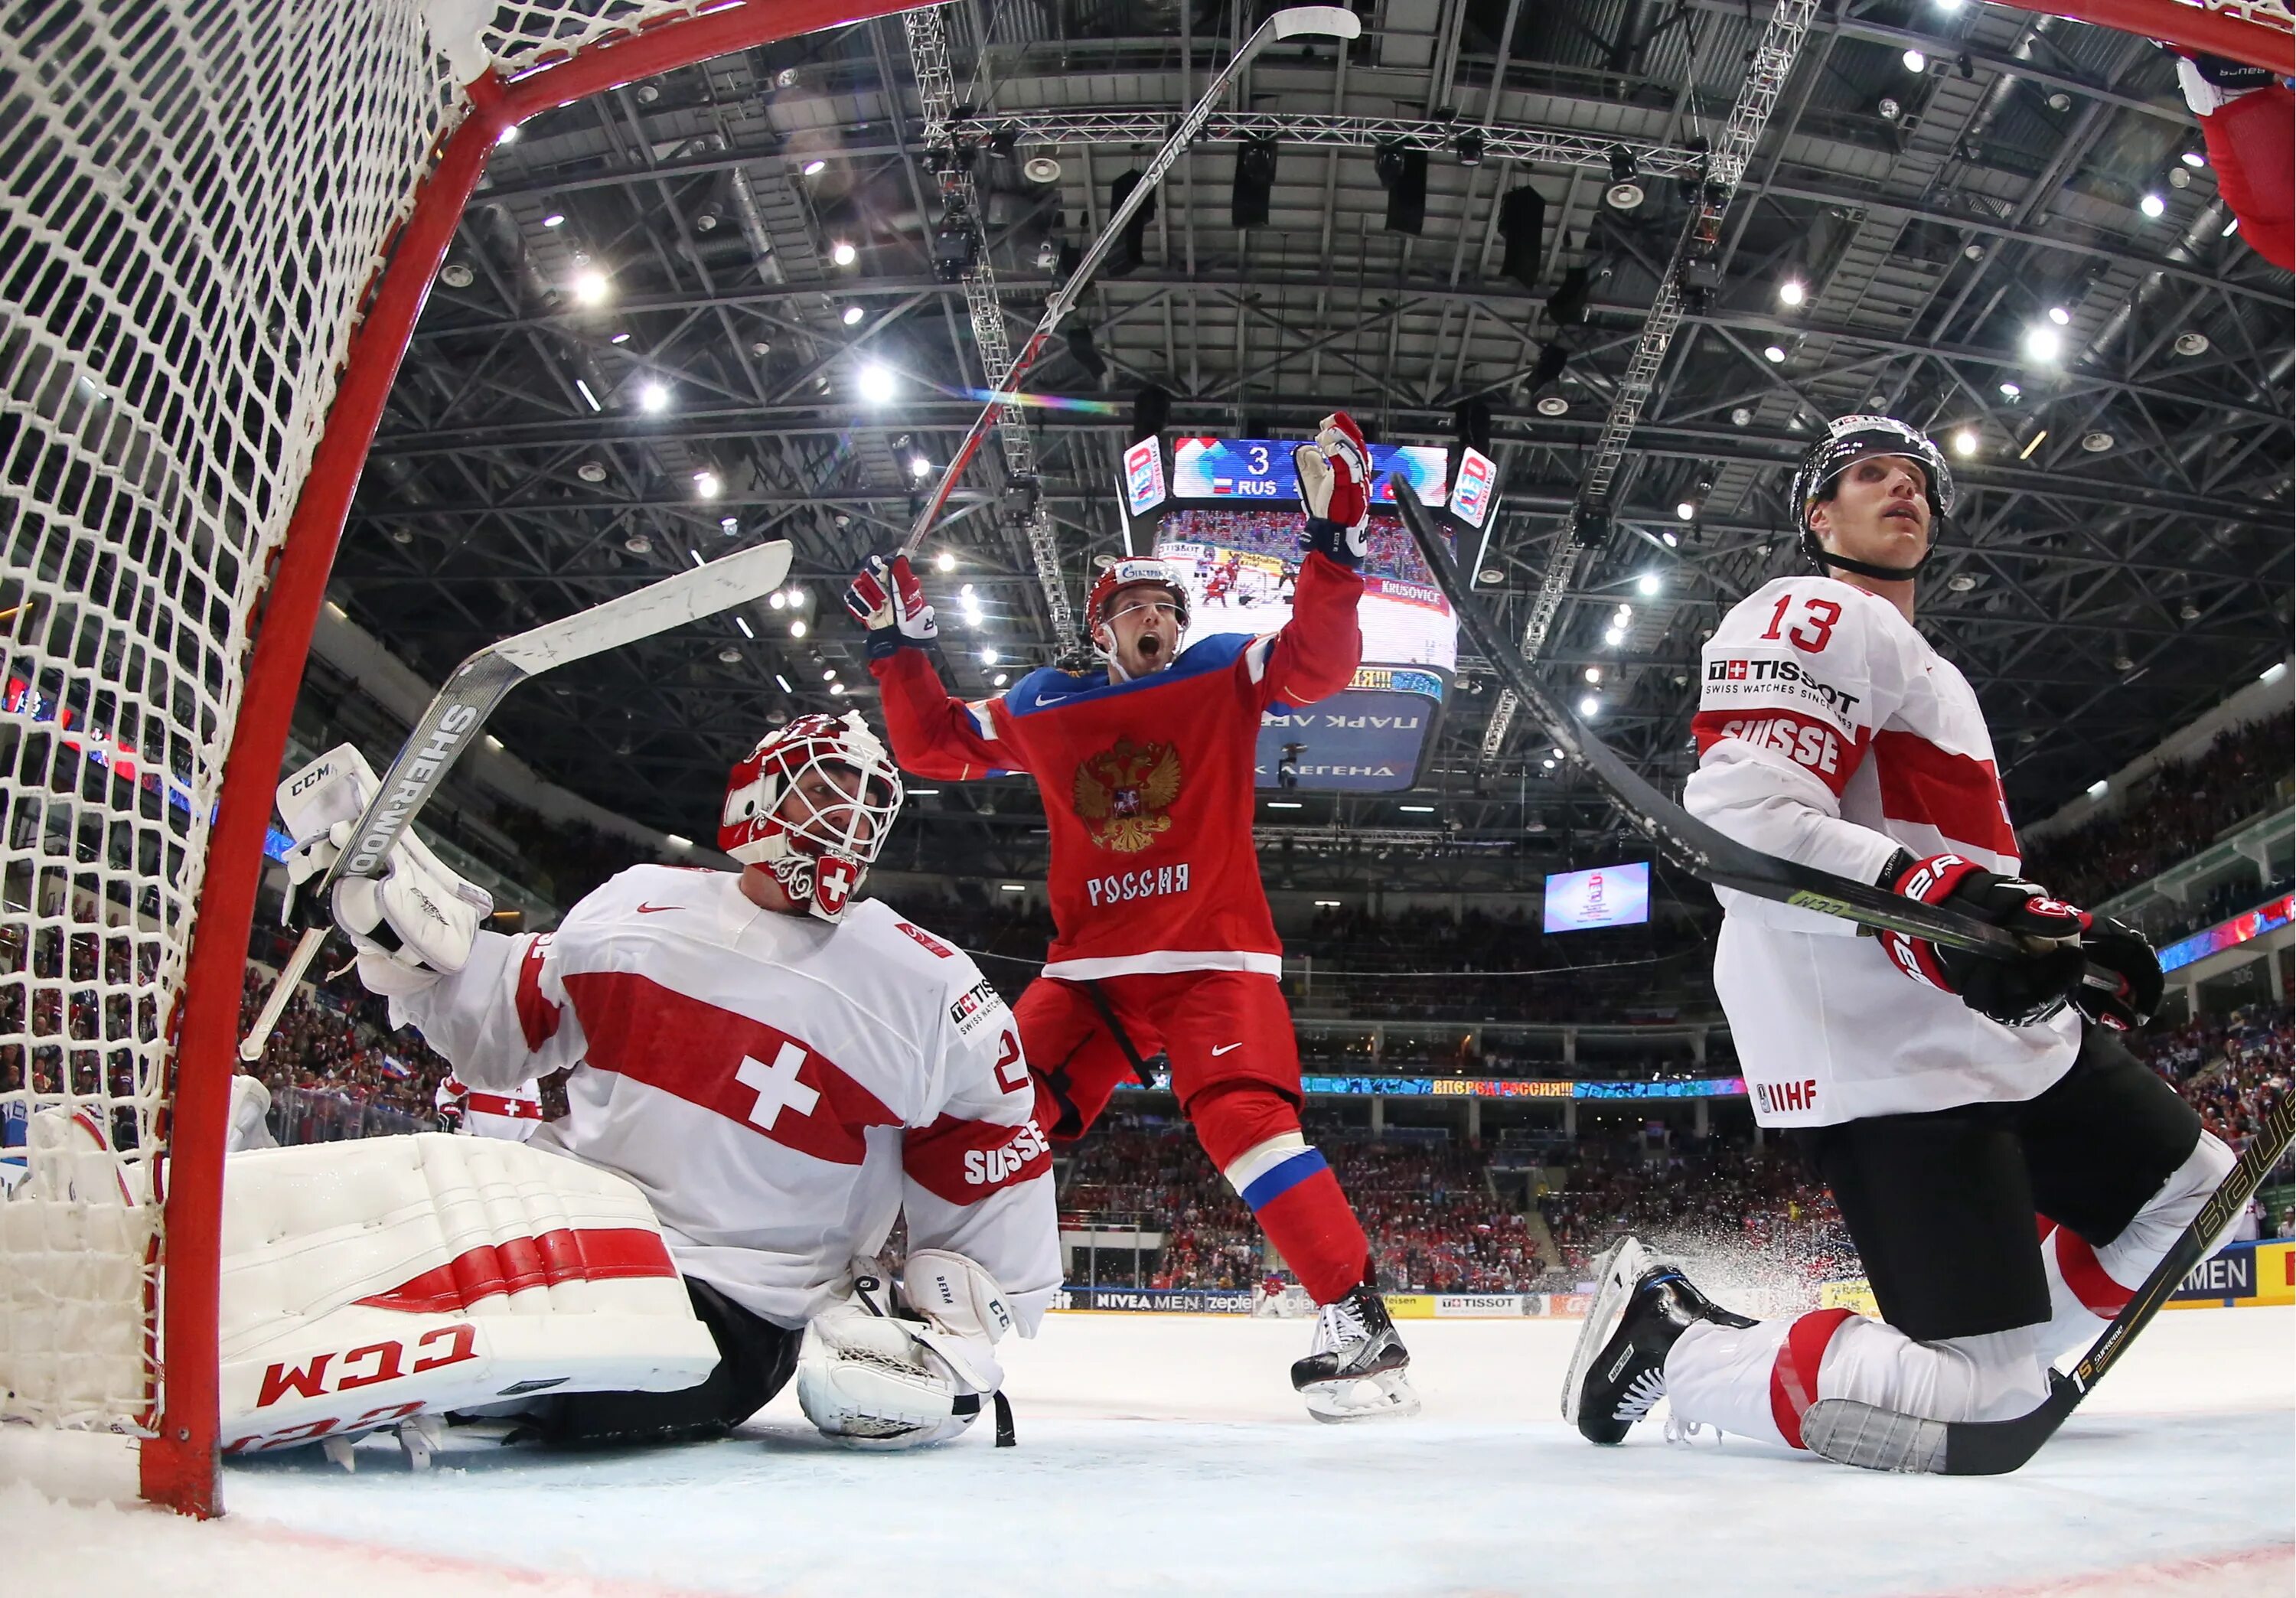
{"x": 819, "y": 858}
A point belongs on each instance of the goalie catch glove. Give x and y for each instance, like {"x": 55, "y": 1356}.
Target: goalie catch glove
{"x": 874, "y": 1380}
{"x": 886, "y": 598}
{"x": 1335, "y": 485}
{"x": 413, "y": 924}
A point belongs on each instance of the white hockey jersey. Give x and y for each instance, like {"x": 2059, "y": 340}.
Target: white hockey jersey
{"x": 515, "y": 1115}
{"x": 1829, "y": 733}
{"x": 779, "y": 1087}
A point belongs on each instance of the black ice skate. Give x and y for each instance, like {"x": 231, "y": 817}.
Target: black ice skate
{"x": 1353, "y": 1370}
{"x": 1618, "y": 1372}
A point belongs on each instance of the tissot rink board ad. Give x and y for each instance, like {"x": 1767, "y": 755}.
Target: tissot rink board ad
{"x": 1227, "y": 514}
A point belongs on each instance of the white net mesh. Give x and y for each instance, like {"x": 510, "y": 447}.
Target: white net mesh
{"x": 194, "y": 199}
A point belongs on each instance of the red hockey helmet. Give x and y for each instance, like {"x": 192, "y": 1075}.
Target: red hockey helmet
{"x": 819, "y": 855}
{"x": 1119, "y": 575}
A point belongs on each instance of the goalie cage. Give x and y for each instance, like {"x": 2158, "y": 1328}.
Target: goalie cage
{"x": 218, "y": 222}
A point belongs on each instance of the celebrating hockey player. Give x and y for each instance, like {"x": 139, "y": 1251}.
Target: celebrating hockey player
{"x": 779, "y": 1070}
{"x": 1164, "y": 939}
{"x": 2007, "y": 1170}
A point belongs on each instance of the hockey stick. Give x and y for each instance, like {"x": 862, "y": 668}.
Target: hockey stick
{"x": 1326, "y": 21}
{"x": 471, "y": 692}
{"x": 1682, "y": 838}
{"x": 1851, "y": 1433}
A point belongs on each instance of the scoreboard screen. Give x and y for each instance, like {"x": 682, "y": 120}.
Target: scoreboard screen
{"x": 1608, "y": 896}
{"x": 1227, "y": 514}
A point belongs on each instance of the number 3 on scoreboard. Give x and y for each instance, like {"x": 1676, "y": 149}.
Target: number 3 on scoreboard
{"x": 1823, "y": 615}
{"x": 1258, "y": 460}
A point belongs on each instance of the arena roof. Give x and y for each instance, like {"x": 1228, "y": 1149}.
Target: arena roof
{"x": 648, "y": 345}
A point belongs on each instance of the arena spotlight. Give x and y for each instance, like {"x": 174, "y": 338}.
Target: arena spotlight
{"x": 876, "y": 384}
{"x": 590, "y": 287}
{"x": 653, "y": 397}
{"x": 2043, "y": 343}
{"x": 1792, "y": 291}
{"x": 814, "y": 167}
{"x": 1470, "y": 146}
{"x": 852, "y": 315}
{"x": 1624, "y": 193}
{"x": 945, "y": 561}
{"x": 843, "y": 253}
{"x": 1916, "y": 62}
{"x": 2010, "y": 391}
{"x": 1648, "y": 584}
{"x": 1775, "y": 354}
{"x": 2060, "y": 316}
{"x": 2153, "y": 204}
{"x": 1965, "y": 442}
{"x": 1589, "y": 707}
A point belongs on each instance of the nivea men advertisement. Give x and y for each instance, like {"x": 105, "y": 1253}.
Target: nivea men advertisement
{"x": 1608, "y": 896}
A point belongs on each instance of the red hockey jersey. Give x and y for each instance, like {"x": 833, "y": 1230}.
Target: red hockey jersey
{"x": 1147, "y": 785}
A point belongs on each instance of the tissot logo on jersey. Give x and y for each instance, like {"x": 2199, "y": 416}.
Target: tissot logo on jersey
{"x": 1790, "y": 674}
{"x": 974, "y": 1006}
{"x": 1138, "y": 884}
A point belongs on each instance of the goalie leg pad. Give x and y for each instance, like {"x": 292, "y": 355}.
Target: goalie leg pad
{"x": 367, "y": 1282}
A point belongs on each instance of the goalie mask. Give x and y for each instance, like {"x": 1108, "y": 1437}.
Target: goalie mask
{"x": 1100, "y": 603}
{"x": 1847, "y": 442}
{"x": 811, "y": 804}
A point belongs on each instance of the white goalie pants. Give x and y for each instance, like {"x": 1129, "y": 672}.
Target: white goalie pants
{"x": 1759, "y": 1381}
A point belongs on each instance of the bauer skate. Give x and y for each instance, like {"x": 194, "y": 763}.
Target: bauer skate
{"x": 1353, "y": 1370}
{"x": 1643, "y": 1303}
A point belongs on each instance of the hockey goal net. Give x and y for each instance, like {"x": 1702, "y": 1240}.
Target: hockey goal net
{"x": 219, "y": 220}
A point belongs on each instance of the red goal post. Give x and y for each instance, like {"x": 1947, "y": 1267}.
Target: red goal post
{"x": 218, "y": 224}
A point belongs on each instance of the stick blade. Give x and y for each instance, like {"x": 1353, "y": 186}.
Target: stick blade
{"x": 704, "y": 591}
{"x": 1872, "y": 1439}
{"x": 1332, "y": 21}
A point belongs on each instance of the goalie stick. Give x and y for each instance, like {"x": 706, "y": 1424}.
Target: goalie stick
{"x": 453, "y": 718}
{"x": 1851, "y": 1433}
{"x": 1329, "y": 21}
{"x": 1682, "y": 838}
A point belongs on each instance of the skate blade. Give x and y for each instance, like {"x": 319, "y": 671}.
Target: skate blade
{"x": 1338, "y": 1403}
{"x": 1622, "y": 1266}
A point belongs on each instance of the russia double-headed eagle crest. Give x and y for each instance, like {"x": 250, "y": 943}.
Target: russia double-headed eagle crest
{"x": 1123, "y": 794}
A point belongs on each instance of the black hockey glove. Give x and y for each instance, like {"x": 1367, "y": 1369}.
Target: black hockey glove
{"x": 2128, "y": 954}
{"x": 2021, "y": 992}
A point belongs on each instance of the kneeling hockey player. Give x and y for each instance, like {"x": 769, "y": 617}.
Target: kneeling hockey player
{"x": 2007, "y": 1170}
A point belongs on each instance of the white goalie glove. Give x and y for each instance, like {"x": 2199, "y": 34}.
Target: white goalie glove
{"x": 413, "y": 924}
{"x": 874, "y": 1381}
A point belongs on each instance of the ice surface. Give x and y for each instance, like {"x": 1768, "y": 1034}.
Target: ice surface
{"x": 1163, "y": 1455}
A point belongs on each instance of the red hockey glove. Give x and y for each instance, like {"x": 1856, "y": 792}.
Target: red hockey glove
{"x": 2128, "y": 954}
{"x": 2021, "y": 992}
{"x": 1335, "y": 485}
{"x": 890, "y": 602}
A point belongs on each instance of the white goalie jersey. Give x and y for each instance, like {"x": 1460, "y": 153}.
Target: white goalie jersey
{"x": 1829, "y": 733}
{"x": 779, "y": 1087}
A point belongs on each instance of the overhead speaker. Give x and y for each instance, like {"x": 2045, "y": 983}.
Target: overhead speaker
{"x": 1129, "y": 251}
{"x": 1083, "y": 352}
{"x": 1522, "y": 226}
{"x": 1042, "y": 168}
{"x": 1255, "y": 180}
{"x": 1403, "y": 172}
{"x": 1470, "y": 421}
{"x": 1569, "y": 304}
{"x": 1552, "y": 359}
{"x": 1151, "y": 411}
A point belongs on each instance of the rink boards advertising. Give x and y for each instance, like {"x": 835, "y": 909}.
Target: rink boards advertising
{"x": 1226, "y": 512}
